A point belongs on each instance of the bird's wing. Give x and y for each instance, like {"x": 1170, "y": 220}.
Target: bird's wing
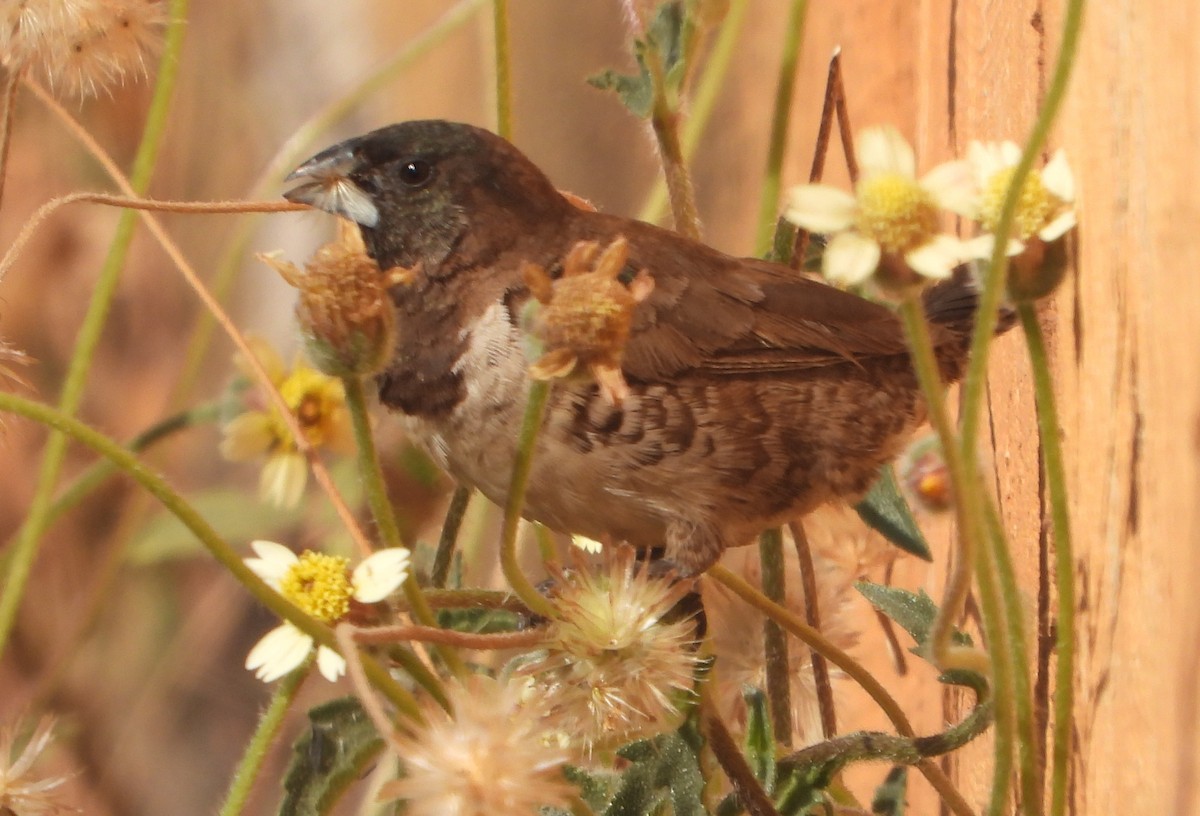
{"x": 713, "y": 314}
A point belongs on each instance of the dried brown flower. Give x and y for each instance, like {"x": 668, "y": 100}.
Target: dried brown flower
{"x": 344, "y": 309}
{"x": 585, "y": 316}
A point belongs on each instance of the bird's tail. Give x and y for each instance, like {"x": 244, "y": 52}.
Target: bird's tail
{"x": 950, "y": 307}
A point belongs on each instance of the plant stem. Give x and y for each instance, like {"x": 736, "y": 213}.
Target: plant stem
{"x": 381, "y": 509}
{"x": 260, "y": 742}
{"x": 775, "y": 645}
{"x": 8, "y": 102}
{"x": 212, "y": 541}
{"x": 1064, "y": 560}
{"x": 768, "y": 209}
{"x": 851, "y": 667}
{"x": 966, "y": 494}
{"x": 449, "y": 537}
{"x": 504, "y": 94}
{"x": 812, "y": 616}
{"x": 987, "y": 313}
{"x": 703, "y": 101}
{"x": 30, "y": 535}
{"x": 539, "y": 394}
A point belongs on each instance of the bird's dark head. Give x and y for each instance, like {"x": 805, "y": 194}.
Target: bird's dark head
{"x": 417, "y": 189}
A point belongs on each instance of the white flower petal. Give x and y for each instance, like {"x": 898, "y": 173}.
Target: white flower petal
{"x": 588, "y": 545}
{"x": 850, "y": 258}
{"x": 283, "y": 478}
{"x": 985, "y": 158}
{"x": 936, "y": 258}
{"x": 379, "y": 575}
{"x": 820, "y": 208}
{"x": 1057, "y": 177}
{"x": 883, "y": 150}
{"x": 273, "y": 562}
{"x": 1010, "y": 153}
{"x": 1058, "y": 226}
{"x": 330, "y": 664}
{"x": 280, "y": 651}
{"x": 953, "y": 186}
{"x": 981, "y": 246}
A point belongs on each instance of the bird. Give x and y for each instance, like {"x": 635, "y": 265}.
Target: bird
{"x": 755, "y": 394}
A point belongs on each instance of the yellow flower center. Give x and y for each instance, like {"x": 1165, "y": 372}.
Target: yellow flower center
{"x": 320, "y": 585}
{"x": 1035, "y": 205}
{"x": 895, "y": 212}
{"x": 314, "y": 398}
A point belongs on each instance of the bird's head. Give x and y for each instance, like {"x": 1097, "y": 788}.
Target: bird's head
{"x": 418, "y": 189}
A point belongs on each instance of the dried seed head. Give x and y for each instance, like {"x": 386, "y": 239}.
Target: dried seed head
{"x": 583, "y": 318}
{"x": 344, "y": 309}
{"x": 81, "y": 46}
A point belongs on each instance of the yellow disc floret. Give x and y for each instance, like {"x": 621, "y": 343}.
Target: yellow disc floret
{"x": 320, "y": 585}
{"x": 1035, "y": 205}
{"x": 315, "y": 399}
{"x": 895, "y": 212}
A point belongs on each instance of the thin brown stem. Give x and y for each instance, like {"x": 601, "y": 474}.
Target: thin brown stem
{"x": 449, "y": 637}
{"x": 812, "y": 614}
{"x": 8, "y": 99}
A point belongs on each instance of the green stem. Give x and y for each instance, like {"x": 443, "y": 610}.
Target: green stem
{"x": 1064, "y": 560}
{"x": 1018, "y": 687}
{"x": 853, "y": 669}
{"x": 987, "y": 314}
{"x": 204, "y": 532}
{"x": 289, "y": 155}
{"x": 539, "y": 394}
{"x": 504, "y": 94}
{"x": 449, "y": 538}
{"x": 985, "y": 556}
{"x": 95, "y": 475}
{"x": 381, "y": 509}
{"x": 30, "y": 534}
{"x": 703, "y": 102}
{"x": 966, "y": 493}
{"x": 768, "y": 208}
{"x": 260, "y": 742}
{"x": 775, "y": 646}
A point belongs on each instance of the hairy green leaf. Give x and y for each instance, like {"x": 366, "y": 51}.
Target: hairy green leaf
{"x": 335, "y": 750}
{"x": 885, "y": 509}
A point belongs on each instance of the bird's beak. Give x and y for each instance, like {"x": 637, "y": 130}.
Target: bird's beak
{"x": 327, "y": 185}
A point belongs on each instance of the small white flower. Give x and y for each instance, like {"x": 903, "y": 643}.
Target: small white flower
{"x": 892, "y": 211}
{"x": 321, "y": 586}
{"x": 1045, "y": 207}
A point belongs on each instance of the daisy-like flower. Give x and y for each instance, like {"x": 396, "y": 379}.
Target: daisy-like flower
{"x": 81, "y": 46}
{"x": 582, "y": 320}
{"x": 324, "y": 587}
{"x": 318, "y": 402}
{"x": 488, "y": 759}
{"x": 892, "y": 221}
{"x": 615, "y": 670}
{"x": 1045, "y": 206}
{"x": 20, "y": 794}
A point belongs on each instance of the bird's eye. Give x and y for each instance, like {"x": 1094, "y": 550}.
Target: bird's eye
{"x": 416, "y": 173}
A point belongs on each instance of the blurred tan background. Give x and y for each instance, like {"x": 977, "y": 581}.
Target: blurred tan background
{"x": 154, "y": 703}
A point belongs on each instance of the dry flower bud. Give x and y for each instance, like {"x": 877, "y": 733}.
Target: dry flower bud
{"x": 344, "y": 309}
{"x": 925, "y": 476}
{"x": 585, "y": 316}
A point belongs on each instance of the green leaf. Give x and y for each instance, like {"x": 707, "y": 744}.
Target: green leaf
{"x": 884, "y": 509}
{"x": 332, "y": 753}
{"x": 915, "y": 612}
{"x": 665, "y": 37}
{"x": 890, "y": 796}
{"x": 664, "y": 769}
{"x": 760, "y": 741}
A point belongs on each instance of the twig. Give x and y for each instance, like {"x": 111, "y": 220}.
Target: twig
{"x": 812, "y": 614}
